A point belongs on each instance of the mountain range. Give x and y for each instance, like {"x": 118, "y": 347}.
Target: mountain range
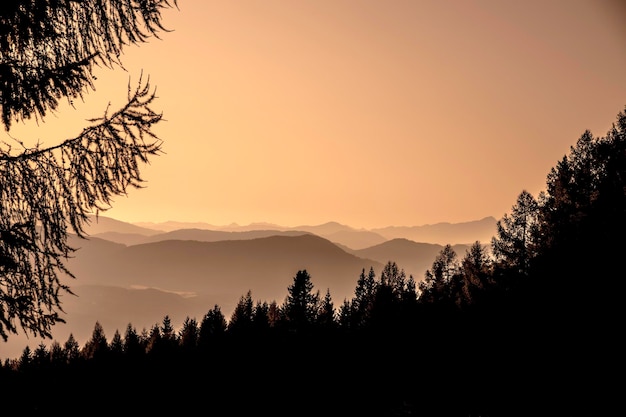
{"x": 136, "y": 273}
{"x": 439, "y": 233}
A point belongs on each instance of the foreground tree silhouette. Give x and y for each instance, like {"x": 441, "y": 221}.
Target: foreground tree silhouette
{"x": 48, "y": 50}
{"x": 98, "y": 346}
{"x": 517, "y": 233}
{"x": 301, "y": 304}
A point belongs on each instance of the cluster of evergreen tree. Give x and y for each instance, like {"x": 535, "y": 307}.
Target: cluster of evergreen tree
{"x": 530, "y": 323}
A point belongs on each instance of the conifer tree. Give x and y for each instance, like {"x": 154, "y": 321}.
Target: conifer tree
{"x": 386, "y": 309}
{"x": 326, "y": 316}
{"x": 188, "y": 335}
{"x": 516, "y": 243}
{"x": 393, "y": 277}
{"x": 435, "y": 286}
{"x": 41, "y": 356}
{"x": 364, "y": 297}
{"x": 168, "y": 334}
{"x": 408, "y": 298}
{"x": 301, "y": 303}
{"x": 116, "y": 347}
{"x": 71, "y": 349}
{"x": 212, "y": 328}
{"x": 97, "y": 347}
{"x": 260, "y": 317}
{"x": 345, "y": 316}
{"x": 475, "y": 272}
{"x": 154, "y": 339}
{"x": 133, "y": 347}
{"x": 241, "y": 319}
{"x": 25, "y": 361}
{"x": 57, "y": 355}
{"x": 274, "y": 314}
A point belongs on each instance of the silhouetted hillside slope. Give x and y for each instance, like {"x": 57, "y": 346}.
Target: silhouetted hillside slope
{"x": 114, "y": 308}
{"x": 171, "y": 225}
{"x": 116, "y": 284}
{"x": 102, "y": 224}
{"x": 355, "y": 239}
{"x": 333, "y": 231}
{"x": 444, "y": 233}
{"x": 218, "y": 270}
{"x": 440, "y": 233}
{"x": 414, "y": 257}
{"x": 201, "y": 235}
{"x": 265, "y": 266}
{"x": 123, "y": 238}
{"x": 93, "y": 250}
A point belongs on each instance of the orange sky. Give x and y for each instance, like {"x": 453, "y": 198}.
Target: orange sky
{"x": 369, "y": 113}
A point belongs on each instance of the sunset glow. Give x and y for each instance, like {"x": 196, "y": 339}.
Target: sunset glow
{"x": 367, "y": 113}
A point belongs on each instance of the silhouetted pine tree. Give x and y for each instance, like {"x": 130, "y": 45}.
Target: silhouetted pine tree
{"x": 435, "y": 286}
{"x": 188, "y": 335}
{"x": 361, "y": 305}
{"x": 153, "y": 345}
{"x": 326, "y": 316}
{"x": 517, "y": 240}
{"x": 116, "y": 347}
{"x": 57, "y": 355}
{"x": 345, "y": 316}
{"x": 260, "y": 318}
{"x": 169, "y": 338}
{"x": 25, "y": 361}
{"x": 212, "y": 328}
{"x": 240, "y": 322}
{"x": 97, "y": 347}
{"x": 71, "y": 349}
{"x": 476, "y": 274}
{"x": 301, "y": 303}
{"x": 133, "y": 346}
{"x": 41, "y": 356}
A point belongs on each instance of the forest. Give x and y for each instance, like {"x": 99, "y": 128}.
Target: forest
{"x": 527, "y": 324}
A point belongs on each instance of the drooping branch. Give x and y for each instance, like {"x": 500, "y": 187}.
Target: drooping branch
{"x": 49, "y": 47}
{"x": 46, "y": 193}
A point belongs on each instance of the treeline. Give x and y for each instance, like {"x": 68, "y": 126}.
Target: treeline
{"x": 527, "y": 324}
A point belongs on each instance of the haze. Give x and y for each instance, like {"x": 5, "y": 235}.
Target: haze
{"x": 367, "y": 113}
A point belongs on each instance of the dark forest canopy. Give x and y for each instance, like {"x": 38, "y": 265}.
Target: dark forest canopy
{"x": 530, "y": 325}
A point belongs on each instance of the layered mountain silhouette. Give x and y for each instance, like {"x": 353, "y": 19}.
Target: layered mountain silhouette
{"x": 440, "y": 233}
{"x": 131, "y": 273}
{"x": 414, "y": 257}
{"x": 444, "y": 233}
{"x": 265, "y": 265}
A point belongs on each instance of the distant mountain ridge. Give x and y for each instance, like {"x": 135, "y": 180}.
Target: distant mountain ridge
{"x": 440, "y": 233}
{"x": 265, "y": 265}
{"x": 103, "y": 224}
{"x": 444, "y": 233}
{"x": 414, "y": 257}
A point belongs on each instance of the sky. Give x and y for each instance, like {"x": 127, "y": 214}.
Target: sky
{"x": 368, "y": 113}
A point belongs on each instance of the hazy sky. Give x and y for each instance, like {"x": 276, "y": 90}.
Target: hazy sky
{"x": 369, "y": 113}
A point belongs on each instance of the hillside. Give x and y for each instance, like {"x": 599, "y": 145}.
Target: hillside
{"x": 414, "y": 257}
{"x": 265, "y": 266}
{"x": 440, "y": 233}
{"x": 132, "y": 273}
{"x": 141, "y": 283}
{"x": 444, "y": 233}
